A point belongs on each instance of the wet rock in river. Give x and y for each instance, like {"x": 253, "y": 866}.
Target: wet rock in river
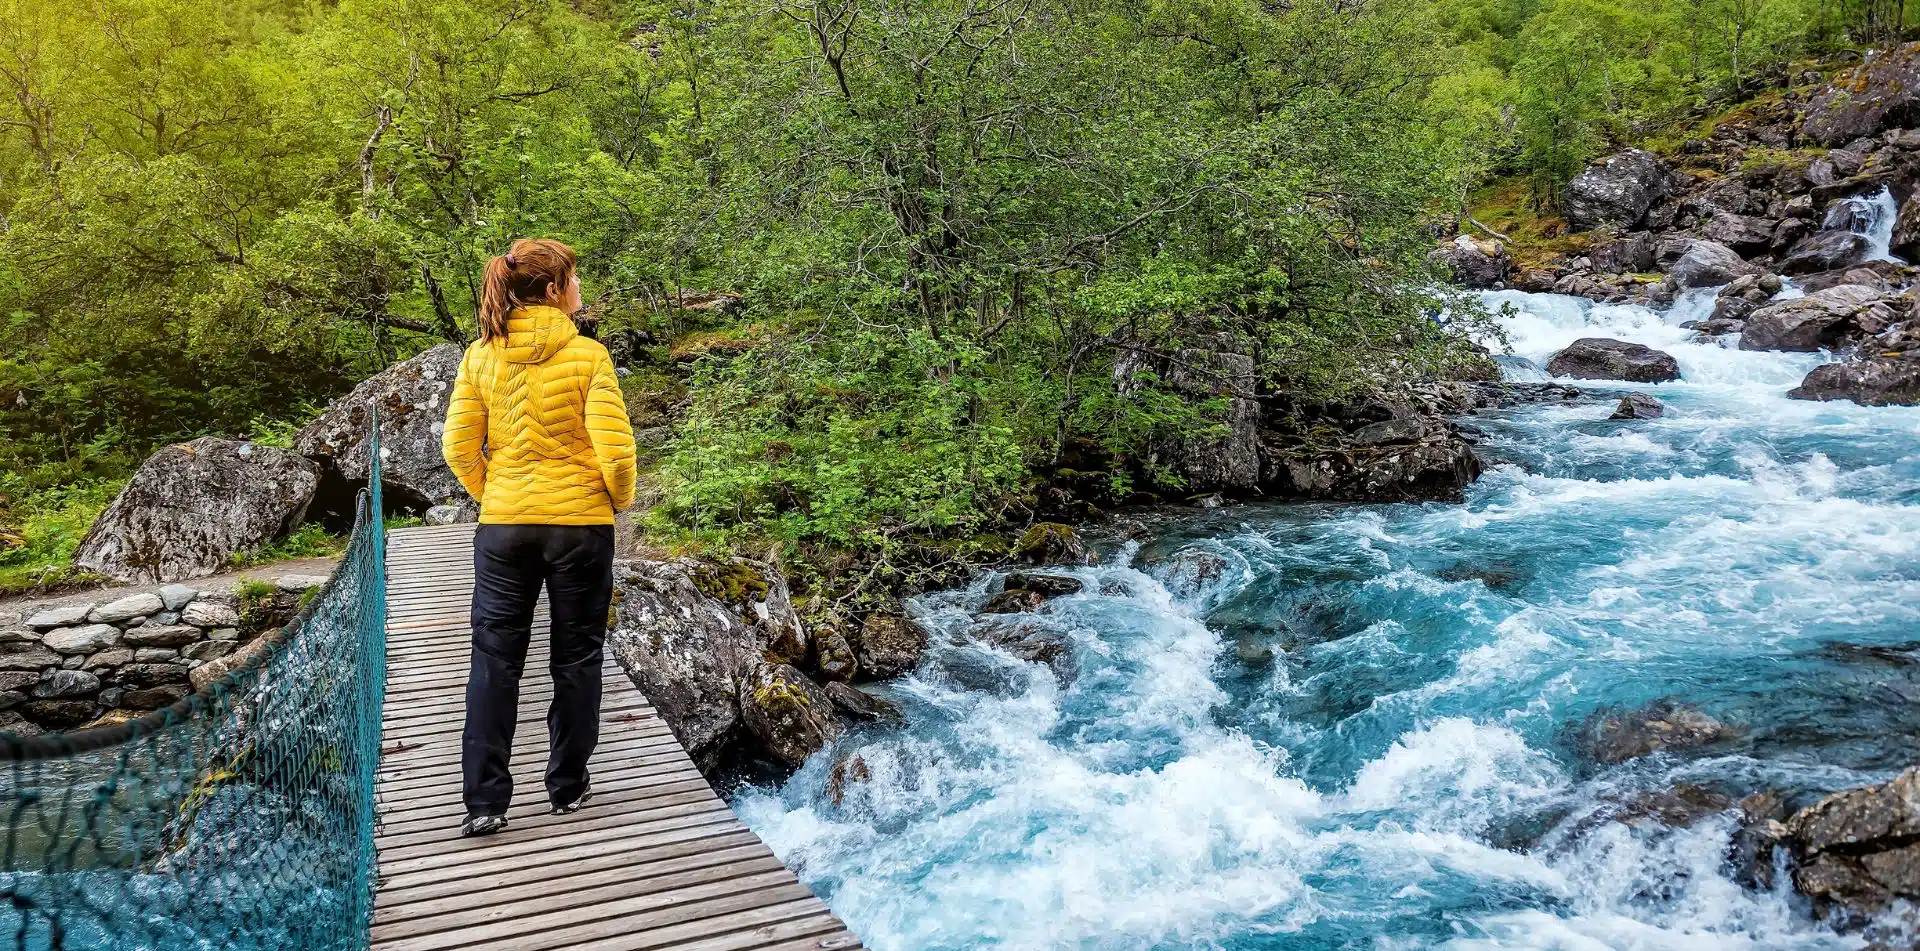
{"x": 889, "y": 644}
{"x": 1052, "y": 586}
{"x": 1639, "y": 406}
{"x": 1664, "y": 725}
{"x": 1601, "y": 358}
{"x": 1892, "y": 380}
{"x": 1859, "y": 849}
{"x": 1016, "y": 601}
{"x": 1051, "y": 543}
{"x": 789, "y": 714}
{"x": 861, "y": 705}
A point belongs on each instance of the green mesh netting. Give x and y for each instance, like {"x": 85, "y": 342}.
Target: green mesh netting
{"x": 239, "y": 818}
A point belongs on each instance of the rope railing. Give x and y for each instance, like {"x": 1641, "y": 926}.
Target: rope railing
{"x": 239, "y": 819}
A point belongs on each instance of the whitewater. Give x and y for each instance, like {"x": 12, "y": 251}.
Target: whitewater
{"x": 1359, "y": 735}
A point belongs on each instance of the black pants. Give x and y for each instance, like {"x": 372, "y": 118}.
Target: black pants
{"x": 510, "y": 563}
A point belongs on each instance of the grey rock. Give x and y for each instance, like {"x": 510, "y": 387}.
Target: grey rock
{"x": 26, "y": 657}
{"x": 1033, "y": 643}
{"x": 156, "y": 636}
{"x": 164, "y": 619}
{"x": 1664, "y": 725}
{"x": 1051, "y": 543}
{"x": 1856, "y": 849}
{"x": 1709, "y": 264}
{"x": 858, "y": 704}
{"x": 154, "y": 655}
{"x": 1616, "y": 192}
{"x": 1231, "y": 462}
{"x": 1632, "y": 254}
{"x": 127, "y": 608}
{"x": 1471, "y": 262}
{"x": 224, "y": 634}
{"x": 1639, "y": 406}
{"x": 1051, "y": 586}
{"x": 834, "y": 656}
{"x": 193, "y": 506}
{"x": 1400, "y": 429}
{"x": 1189, "y": 571}
{"x": 110, "y": 697}
{"x": 73, "y": 661}
{"x": 152, "y": 674}
{"x": 889, "y": 645}
{"x": 82, "y": 640}
{"x": 1824, "y": 251}
{"x": 1600, "y": 358}
{"x": 1824, "y": 319}
{"x": 1881, "y": 93}
{"x": 412, "y": 400}
{"x": 177, "y": 596}
{"x": 19, "y": 680}
{"x": 66, "y": 683}
{"x": 1014, "y": 601}
{"x": 208, "y": 650}
{"x": 452, "y": 513}
{"x": 62, "y": 616}
{"x": 1740, "y": 232}
{"x": 299, "y": 584}
{"x": 789, "y": 714}
{"x": 16, "y": 723}
{"x": 18, "y": 636}
{"x": 691, "y": 634}
{"x": 110, "y": 658}
{"x": 206, "y": 613}
{"x": 1886, "y": 380}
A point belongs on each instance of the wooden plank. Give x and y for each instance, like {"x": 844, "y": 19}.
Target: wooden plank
{"x": 657, "y": 861}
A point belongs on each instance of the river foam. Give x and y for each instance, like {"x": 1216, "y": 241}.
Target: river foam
{"x": 1402, "y": 774}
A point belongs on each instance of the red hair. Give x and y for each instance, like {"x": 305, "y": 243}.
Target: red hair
{"x": 531, "y": 272}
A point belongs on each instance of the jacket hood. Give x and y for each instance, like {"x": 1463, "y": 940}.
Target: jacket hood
{"x": 534, "y": 334}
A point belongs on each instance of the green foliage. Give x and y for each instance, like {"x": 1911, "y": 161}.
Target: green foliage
{"x": 46, "y": 527}
{"x": 308, "y": 541}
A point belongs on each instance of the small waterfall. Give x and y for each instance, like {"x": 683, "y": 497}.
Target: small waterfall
{"x": 1872, "y": 217}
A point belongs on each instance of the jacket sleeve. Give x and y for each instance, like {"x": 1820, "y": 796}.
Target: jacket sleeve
{"x": 464, "y": 441}
{"x": 612, "y": 432}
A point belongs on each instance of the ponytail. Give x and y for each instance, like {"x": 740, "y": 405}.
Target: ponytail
{"x": 519, "y": 278}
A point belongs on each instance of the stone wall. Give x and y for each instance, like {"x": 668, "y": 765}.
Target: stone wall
{"x": 70, "y": 664}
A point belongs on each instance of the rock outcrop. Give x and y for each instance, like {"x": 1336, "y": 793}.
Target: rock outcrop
{"x": 411, "y": 398}
{"x": 191, "y": 507}
{"x": 1881, "y": 380}
{"x": 1824, "y": 320}
{"x": 1601, "y": 358}
{"x": 716, "y": 647}
{"x": 1708, "y": 264}
{"x": 1231, "y": 462}
{"x": 1639, "y": 406}
{"x": 1472, "y": 262}
{"x": 1614, "y": 737}
{"x": 1617, "y": 191}
{"x": 1859, "y": 850}
{"x": 1880, "y": 94}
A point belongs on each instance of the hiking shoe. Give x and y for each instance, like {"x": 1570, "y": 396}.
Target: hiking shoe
{"x": 483, "y": 825}
{"x": 574, "y": 806}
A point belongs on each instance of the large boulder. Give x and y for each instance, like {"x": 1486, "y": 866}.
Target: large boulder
{"x": 1709, "y": 264}
{"x": 1232, "y": 461}
{"x": 1743, "y": 233}
{"x": 1631, "y": 254}
{"x": 791, "y": 716}
{"x": 1882, "y": 93}
{"x": 1616, "y": 192}
{"x": 1472, "y": 262}
{"x": 1824, "y": 251}
{"x": 1600, "y": 358}
{"x": 411, "y": 397}
{"x": 191, "y": 507}
{"x": 1392, "y": 463}
{"x": 889, "y": 644}
{"x": 1615, "y": 736}
{"x": 696, "y": 638}
{"x": 1859, "y": 850}
{"x": 1890, "y": 380}
{"x": 1822, "y": 320}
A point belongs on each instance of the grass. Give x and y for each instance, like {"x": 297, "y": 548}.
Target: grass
{"x": 39, "y": 533}
{"x": 308, "y": 541}
{"x": 1536, "y": 238}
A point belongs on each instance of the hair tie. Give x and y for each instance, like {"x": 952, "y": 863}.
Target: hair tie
{"x": 511, "y": 263}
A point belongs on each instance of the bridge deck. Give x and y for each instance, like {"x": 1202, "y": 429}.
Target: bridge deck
{"x": 657, "y": 861}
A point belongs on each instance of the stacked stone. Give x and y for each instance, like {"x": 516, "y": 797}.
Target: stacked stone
{"x": 71, "y": 665}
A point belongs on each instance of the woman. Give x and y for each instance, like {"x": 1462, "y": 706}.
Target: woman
{"x": 538, "y": 433}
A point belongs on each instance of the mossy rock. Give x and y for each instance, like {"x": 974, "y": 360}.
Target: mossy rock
{"x": 733, "y": 582}
{"x": 1051, "y": 543}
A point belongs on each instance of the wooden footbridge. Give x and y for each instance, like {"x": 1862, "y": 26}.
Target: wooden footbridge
{"x": 656, "y": 861}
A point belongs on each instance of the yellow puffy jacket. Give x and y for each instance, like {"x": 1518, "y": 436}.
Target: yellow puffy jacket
{"x": 537, "y": 430}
